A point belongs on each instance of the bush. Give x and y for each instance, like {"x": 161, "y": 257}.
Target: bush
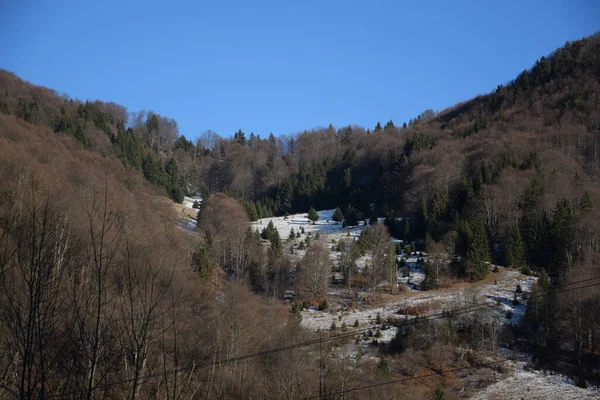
{"x": 356, "y": 323}
{"x": 581, "y": 382}
{"x": 313, "y": 215}
{"x": 338, "y": 216}
{"x": 515, "y": 301}
{"x": 519, "y": 290}
{"x": 525, "y": 270}
{"x": 323, "y": 305}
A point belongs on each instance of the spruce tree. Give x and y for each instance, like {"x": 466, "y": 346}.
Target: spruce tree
{"x": 351, "y": 216}
{"x": 338, "y": 216}
{"x": 515, "y": 248}
{"x": 438, "y": 394}
{"x": 586, "y": 202}
{"x": 562, "y": 230}
{"x": 478, "y": 251}
{"x": 430, "y": 281}
{"x": 251, "y": 211}
{"x": 313, "y": 215}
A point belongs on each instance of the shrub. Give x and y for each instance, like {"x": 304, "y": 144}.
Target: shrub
{"x": 525, "y": 270}
{"x": 323, "y": 305}
{"x": 313, "y": 215}
{"x": 356, "y": 323}
{"x": 519, "y": 290}
{"x": 581, "y": 382}
{"x": 338, "y": 216}
{"x": 515, "y": 301}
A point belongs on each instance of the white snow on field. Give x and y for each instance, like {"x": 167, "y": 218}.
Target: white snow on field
{"x": 504, "y": 293}
{"x": 188, "y": 222}
{"x": 189, "y": 201}
{"x": 325, "y": 226}
{"x": 430, "y": 302}
{"x": 415, "y": 273}
{"x": 534, "y": 385}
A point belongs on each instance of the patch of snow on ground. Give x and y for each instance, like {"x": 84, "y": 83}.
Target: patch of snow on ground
{"x": 325, "y": 225}
{"x": 189, "y": 201}
{"x": 416, "y": 274}
{"x": 534, "y": 385}
{"x": 504, "y": 293}
{"x": 188, "y": 222}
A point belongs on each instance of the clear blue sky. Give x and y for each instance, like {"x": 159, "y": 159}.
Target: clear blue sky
{"x": 283, "y": 66}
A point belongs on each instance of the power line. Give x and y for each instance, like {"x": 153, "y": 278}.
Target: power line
{"x": 454, "y": 369}
{"x": 410, "y": 378}
{"x": 219, "y": 363}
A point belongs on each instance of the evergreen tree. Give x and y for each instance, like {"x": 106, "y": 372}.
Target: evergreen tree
{"x": 430, "y": 281}
{"x": 562, "y": 231}
{"x": 389, "y": 124}
{"x": 377, "y": 127}
{"x": 240, "y": 137}
{"x": 351, "y": 216}
{"x": 271, "y": 234}
{"x": 172, "y": 171}
{"x": 515, "y": 248}
{"x": 407, "y": 235}
{"x": 586, "y": 202}
{"x": 478, "y": 251}
{"x": 251, "y": 211}
{"x": 438, "y": 394}
{"x": 203, "y": 261}
{"x": 347, "y": 178}
{"x": 338, "y": 216}
{"x": 429, "y": 242}
{"x": 313, "y": 215}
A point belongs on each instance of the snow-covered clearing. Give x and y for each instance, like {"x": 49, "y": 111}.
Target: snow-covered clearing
{"x": 406, "y": 305}
{"x": 347, "y": 307}
{"x": 188, "y": 212}
{"x": 325, "y": 226}
{"x": 534, "y": 385}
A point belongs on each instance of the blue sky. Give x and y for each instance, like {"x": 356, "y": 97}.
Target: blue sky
{"x": 283, "y": 66}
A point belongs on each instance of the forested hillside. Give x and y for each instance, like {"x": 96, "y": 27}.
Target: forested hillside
{"x": 103, "y": 295}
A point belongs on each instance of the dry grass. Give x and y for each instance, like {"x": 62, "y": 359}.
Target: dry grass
{"x": 414, "y": 310}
